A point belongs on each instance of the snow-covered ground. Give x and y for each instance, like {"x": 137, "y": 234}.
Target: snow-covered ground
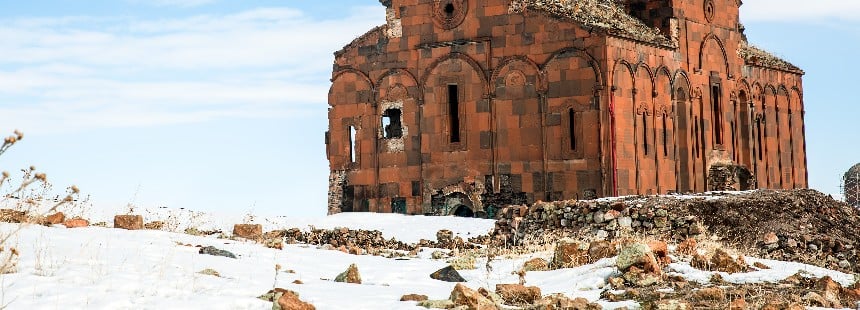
{"x": 102, "y": 268}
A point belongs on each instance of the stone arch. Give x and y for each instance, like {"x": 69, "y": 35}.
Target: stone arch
{"x": 624, "y": 111}
{"x": 682, "y": 95}
{"x": 454, "y": 110}
{"x": 516, "y": 111}
{"x": 665, "y": 131}
{"x": 643, "y": 128}
{"x": 506, "y": 62}
{"x": 680, "y": 80}
{"x": 703, "y": 53}
{"x": 770, "y": 151}
{"x": 784, "y": 137}
{"x": 798, "y": 137}
{"x": 402, "y": 76}
{"x": 744, "y": 125}
{"x": 572, "y": 80}
{"x": 566, "y": 52}
{"x": 471, "y": 62}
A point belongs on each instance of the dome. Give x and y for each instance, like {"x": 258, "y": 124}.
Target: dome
{"x": 853, "y": 173}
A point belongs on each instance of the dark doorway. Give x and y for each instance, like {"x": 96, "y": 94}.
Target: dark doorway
{"x": 463, "y": 211}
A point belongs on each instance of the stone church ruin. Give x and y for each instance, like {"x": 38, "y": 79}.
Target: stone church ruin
{"x": 461, "y": 107}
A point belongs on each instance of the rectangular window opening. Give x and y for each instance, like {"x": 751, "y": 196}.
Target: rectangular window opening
{"x": 454, "y": 112}
{"x": 718, "y": 114}
{"x": 572, "y": 128}
{"x": 665, "y": 138}
{"x": 391, "y": 125}
{"x": 760, "y": 144}
{"x": 352, "y": 144}
{"x": 645, "y": 132}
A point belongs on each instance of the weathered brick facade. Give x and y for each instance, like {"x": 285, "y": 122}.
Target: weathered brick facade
{"x": 464, "y": 106}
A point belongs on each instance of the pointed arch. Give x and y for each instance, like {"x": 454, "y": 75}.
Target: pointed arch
{"x": 703, "y": 53}
{"x": 471, "y": 62}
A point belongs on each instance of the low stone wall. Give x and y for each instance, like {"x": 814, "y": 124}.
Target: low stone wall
{"x": 605, "y": 219}
{"x": 795, "y": 225}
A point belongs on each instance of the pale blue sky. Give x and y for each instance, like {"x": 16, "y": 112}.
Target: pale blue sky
{"x": 220, "y": 105}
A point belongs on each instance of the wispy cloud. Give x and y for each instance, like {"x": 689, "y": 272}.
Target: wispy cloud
{"x": 74, "y": 73}
{"x": 173, "y": 3}
{"x": 800, "y": 10}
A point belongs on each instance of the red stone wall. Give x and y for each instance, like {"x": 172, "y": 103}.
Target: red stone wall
{"x": 550, "y": 111}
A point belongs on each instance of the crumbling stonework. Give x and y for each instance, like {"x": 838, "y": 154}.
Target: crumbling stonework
{"x": 851, "y": 186}
{"x": 792, "y": 225}
{"x": 455, "y": 104}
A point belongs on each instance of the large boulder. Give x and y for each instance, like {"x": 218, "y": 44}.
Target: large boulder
{"x": 598, "y": 250}
{"x": 535, "y": 264}
{"x": 568, "y": 253}
{"x": 248, "y": 231}
{"x": 76, "y": 223}
{"x": 722, "y": 261}
{"x": 351, "y": 275}
{"x": 637, "y": 255}
{"x": 447, "y": 274}
{"x": 129, "y": 222}
{"x": 462, "y": 295}
{"x": 54, "y": 219}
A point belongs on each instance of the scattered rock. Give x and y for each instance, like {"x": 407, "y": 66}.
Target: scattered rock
{"x": 128, "y": 222}
{"x": 517, "y": 294}
{"x": 770, "y": 239}
{"x": 815, "y": 300}
{"x": 535, "y": 264}
{"x": 211, "y": 250}
{"x": 598, "y": 250}
{"x": 568, "y": 253}
{"x": 290, "y": 301}
{"x": 559, "y": 301}
{"x": 413, "y": 297}
{"x": 248, "y": 231}
{"x": 437, "y": 304}
{"x": 466, "y": 262}
{"x": 688, "y": 247}
{"x": 56, "y": 218}
{"x": 297, "y": 281}
{"x": 210, "y": 272}
{"x": 761, "y": 266}
{"x": 637, "y": 255}
{"x": 724, "y": 262}
{"x": 12, "y": 216}
{"x": 738, "y": 304}
{"x": 830, "y": 290}
{"x": 671, "y": 304}
{"x": 156, "y": 225}
{"x": 661, "y": 251}
{"x": 710, "y": 294}
{"x": 76, "y": 223}
{"x": 351, "y": 275}
{"x": 274, "y": 243}
{"x": 447, "y": 274}
{"x": 462, "y": 295}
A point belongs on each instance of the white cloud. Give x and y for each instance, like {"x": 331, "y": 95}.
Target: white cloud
{"x": 74, "y": 73}
{"x": 800, "y": 10}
